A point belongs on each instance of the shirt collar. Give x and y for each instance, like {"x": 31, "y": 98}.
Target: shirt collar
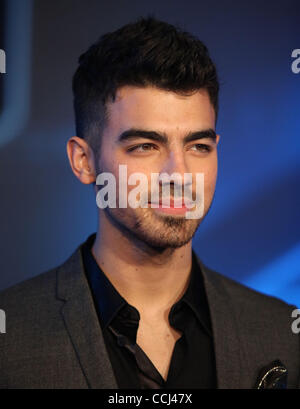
{"x": 195, "y": 295}
{"x": 107, "y": 299}
{"x": 110, "y": 304}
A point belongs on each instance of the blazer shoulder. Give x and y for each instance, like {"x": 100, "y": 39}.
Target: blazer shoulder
{"x": 44, "y": 285}
{"x": 41, "y": 286}
{"x": 246, "y": 298}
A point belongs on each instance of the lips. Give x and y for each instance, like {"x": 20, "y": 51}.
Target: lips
{"x": 173, "y": 203}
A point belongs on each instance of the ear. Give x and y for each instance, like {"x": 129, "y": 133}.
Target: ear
{"x": 217, "y": 139}
{"x": 81, "y": 158}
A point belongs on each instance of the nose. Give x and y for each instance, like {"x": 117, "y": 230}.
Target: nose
{"x": 175, "y": 163}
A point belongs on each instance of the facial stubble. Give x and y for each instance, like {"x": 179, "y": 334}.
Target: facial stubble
{"x": 154, "y": 230}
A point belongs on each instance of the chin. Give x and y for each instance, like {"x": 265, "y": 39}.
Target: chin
{"x": 158, "y": 232}
{"x": 164, "y": 237}
{"x": 157, "y": 243}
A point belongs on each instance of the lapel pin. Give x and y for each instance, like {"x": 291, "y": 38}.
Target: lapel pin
{"x": 272, "y": 376}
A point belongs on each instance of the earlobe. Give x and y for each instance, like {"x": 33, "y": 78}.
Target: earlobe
{"x": 81, "y": 159}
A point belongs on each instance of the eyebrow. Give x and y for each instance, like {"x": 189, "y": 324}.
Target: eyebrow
{"x": 134, "y": 133}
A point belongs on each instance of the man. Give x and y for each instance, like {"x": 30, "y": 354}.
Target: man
{"x": 134, "y": 306}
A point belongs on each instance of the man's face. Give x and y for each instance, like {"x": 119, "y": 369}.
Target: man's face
{"x": 175, "y": 117}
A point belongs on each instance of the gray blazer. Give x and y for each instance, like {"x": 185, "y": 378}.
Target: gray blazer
{"x": 53, "y": 338}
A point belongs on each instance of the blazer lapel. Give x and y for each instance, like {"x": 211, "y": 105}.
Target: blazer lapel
{"x": 225, "y": 331}
{"x": 82, "y": 323}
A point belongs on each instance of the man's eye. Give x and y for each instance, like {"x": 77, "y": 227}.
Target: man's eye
{"x": 199, "y": 147}
{"x": 142, "y": 147}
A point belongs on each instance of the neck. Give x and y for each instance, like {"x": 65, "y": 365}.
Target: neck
{"x": 150, "y": 279}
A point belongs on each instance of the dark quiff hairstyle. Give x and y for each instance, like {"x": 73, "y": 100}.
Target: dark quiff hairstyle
{"x": 147, "y": 52}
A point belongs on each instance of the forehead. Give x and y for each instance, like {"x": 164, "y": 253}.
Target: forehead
{"x": 155, "y": 109}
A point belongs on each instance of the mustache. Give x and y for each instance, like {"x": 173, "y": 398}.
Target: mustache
{"x": 173, "y": 194}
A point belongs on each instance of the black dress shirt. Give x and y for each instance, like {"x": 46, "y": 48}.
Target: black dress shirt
{"x": 193, "y": 361}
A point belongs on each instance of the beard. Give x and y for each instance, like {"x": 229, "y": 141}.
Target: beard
{"x": 155, "y": 230}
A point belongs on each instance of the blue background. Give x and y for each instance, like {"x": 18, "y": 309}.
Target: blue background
{"x": 252, "y": 232}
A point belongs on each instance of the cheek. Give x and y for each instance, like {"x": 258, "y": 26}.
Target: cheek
{"x": 211, "y": 172}
{"x": 210, "y": 169}
{"x": 209, "y": 187}
{"x": 211, "y": 176}
{"x": 209, "y": 184}
{"x": 110, "y": 160}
